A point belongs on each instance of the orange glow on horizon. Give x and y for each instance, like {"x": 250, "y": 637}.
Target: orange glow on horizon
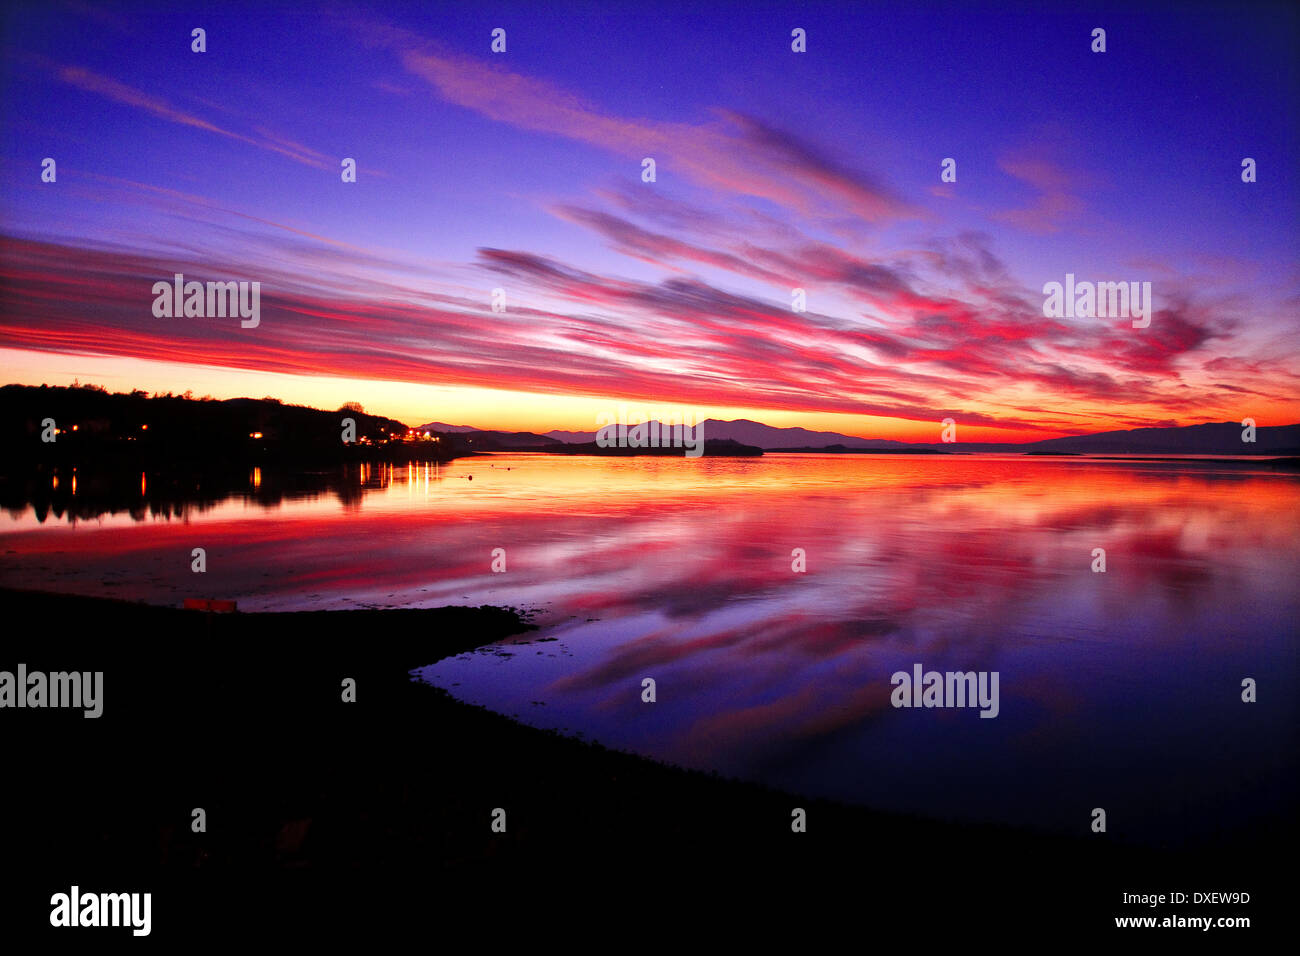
{"x": 418, "y": 404}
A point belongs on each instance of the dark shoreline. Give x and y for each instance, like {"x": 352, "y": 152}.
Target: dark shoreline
{"x": 313, "y": 800}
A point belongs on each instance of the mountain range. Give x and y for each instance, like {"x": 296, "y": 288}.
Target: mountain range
{"x": 1218, "y": 438}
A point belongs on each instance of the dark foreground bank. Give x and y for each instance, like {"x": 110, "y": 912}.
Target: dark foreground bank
{"x": 327, "y": 818}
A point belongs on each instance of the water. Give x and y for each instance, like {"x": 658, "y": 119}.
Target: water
{"x": 1119, "y": 690}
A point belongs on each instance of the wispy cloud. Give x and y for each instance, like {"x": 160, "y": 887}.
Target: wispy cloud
{"x": 733, "y": 153}
{"x": 1055, "y": 201}
{"x": 121, "y": 93}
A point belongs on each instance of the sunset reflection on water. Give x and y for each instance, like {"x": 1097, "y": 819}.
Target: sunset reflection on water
{"x": 1122, "y": 686}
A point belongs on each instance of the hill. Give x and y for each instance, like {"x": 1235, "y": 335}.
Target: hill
{"x": 93, "y": 426}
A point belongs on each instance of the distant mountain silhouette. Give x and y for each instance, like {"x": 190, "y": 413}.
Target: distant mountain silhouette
{"x": 767, "y": 436}
{"x": 1219, "y": 438}
{"x": 758, "y": 435}
{"x": 572, "y": 438}
{"x": 443, "y": 427}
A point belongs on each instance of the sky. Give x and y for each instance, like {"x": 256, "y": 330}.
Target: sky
{"x": 775, "y": 170}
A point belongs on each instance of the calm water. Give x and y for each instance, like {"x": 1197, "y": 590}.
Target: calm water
{"x": 1118, "y": 690}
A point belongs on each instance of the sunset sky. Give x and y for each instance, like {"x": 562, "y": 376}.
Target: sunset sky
{"x": 776, "y": 170}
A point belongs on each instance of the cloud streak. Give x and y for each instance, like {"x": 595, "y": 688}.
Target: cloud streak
{"x": 124, "y": 95}
{"x": 681, "y": 337}
{"x": 734, "y": 153}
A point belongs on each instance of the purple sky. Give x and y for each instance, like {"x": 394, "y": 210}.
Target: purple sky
{"x": 775, "y": 170}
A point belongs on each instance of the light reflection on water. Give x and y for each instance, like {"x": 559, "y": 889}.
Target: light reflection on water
{"x": 1119, "y": 690}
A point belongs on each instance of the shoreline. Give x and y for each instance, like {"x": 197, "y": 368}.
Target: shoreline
{"x": 241, "y": 714}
